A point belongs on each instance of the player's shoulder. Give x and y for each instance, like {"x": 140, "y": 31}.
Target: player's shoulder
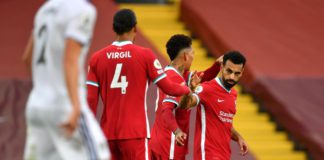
{"x": 141, "y": 48}
{"x": 207, "y": 86}
{"x": 86, "y": 6}
{"x": 79, "y": 7}
{"x": 210, "y": 83}
{"x": 173, "y": 74}
{"x": 48, "y": 5}
{"x": 97, "y": 55}
{"x": 145, "y": 55}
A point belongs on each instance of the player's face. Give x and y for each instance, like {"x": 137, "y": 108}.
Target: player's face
{"x": 189, "y": 56}
{"x": 231, "y": 73}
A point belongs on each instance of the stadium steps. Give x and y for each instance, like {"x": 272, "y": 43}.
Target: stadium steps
{"x": 158, "y": 23}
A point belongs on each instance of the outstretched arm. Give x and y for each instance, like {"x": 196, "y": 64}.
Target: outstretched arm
{"x": 192, "y": 100}
{"x": 212, "y": 71}
{"x": 189, "y": 101}
{"x": 240, "y": 141}
{"x": 172, "y": 88}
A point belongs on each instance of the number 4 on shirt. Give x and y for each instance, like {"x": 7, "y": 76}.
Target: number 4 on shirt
{"x": 123, "y": 83}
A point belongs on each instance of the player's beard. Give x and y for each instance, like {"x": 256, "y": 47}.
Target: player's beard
{"x": 229, "y": 83}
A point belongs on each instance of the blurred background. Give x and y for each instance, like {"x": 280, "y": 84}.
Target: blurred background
{"x": 280, "y": 109}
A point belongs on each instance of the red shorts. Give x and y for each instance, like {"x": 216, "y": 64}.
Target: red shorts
{"x": 129, "y": 149}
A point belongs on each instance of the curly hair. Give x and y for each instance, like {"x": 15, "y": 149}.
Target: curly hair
{"x": 176, "y": 43}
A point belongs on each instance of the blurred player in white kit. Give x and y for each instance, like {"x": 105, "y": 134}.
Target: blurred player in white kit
{"x": 59, "y": 122}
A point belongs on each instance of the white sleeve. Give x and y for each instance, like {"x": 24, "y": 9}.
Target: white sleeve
{"x": 198, "y": 99}
{"x": 80, "y": 27}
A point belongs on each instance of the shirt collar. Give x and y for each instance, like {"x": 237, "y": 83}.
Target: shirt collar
{"x": 220, "y": 83}
{"x": 172, "y": 68}
{"x": 121, "y": 43}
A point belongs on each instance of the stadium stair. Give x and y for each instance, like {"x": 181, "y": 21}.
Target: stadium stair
{"x": 158, "y": 23}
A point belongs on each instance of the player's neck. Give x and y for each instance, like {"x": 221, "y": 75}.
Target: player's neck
{"x": 125, "y": 37}
{"x": 178, "y": 66}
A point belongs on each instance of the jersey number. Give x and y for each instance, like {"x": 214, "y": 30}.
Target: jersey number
{"x": 115, "y": 83}
{"x": 42, "y": 35}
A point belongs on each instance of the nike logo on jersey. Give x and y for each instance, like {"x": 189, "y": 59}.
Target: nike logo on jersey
{"x": 220, "y": 100}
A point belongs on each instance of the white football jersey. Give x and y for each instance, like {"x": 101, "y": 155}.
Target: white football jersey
{"x": 56, "y": 21}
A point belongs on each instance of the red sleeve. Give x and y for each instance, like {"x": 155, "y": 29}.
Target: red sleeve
{"x": 211, "y": 72}
{"x": 154, "y": 67}
{"x": 93, "y": 97}
{"x": 172, "y": 88}
{"x": 92, "y": 86}
{"x": 168, "y": 117}
{"x": 158, "y": 77}
{"x": 202, "y": 92}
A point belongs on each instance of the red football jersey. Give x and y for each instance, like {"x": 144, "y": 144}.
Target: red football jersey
{"x": 163, "y": 139}
{"x": 123, "y": 71}
{"x": 214, "y": 121}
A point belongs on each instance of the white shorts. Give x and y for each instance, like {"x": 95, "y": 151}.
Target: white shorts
{"x": 47, "y": 140}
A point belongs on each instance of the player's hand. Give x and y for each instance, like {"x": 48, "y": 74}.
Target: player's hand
{"x": 243, "y": 146}
{"x": 195, "y": 80}
{"x": 219, "y": 60}
{"x": 180, "y": 137}
{"x": 72, "y": 123}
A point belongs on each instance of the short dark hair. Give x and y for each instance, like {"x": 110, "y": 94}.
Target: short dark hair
{"x": 176, "y": 43}
{"x": 234, "y": 56}
{"x": 124, "y": 21}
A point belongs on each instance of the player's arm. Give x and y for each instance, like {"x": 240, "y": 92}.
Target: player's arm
{"x": 78, "y": 33}
{"x": 172, "y": 88}
{"x": 192, "y": 100}
{"x": 158, "y": 77}
{"x": 92, "y": 87}
{"x": 189, "y": 101}
{"x": 71, "y": 72}
{"x": 240, "y": 141}
{"x": 28, "y": 54}
{"x": 93, "y": 98}
{"x": 212, "y": 71}
{"x": 171, "y": 123}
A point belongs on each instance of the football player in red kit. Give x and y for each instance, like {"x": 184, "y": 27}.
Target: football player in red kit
{"x": 216, "y": 109}
{"x": 120, "y": 73}
{"x": 171, "y": 124}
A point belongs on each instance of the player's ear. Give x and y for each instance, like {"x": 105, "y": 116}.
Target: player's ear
{"x": 185, "y": 56}
{"x": 135, "y": 29}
